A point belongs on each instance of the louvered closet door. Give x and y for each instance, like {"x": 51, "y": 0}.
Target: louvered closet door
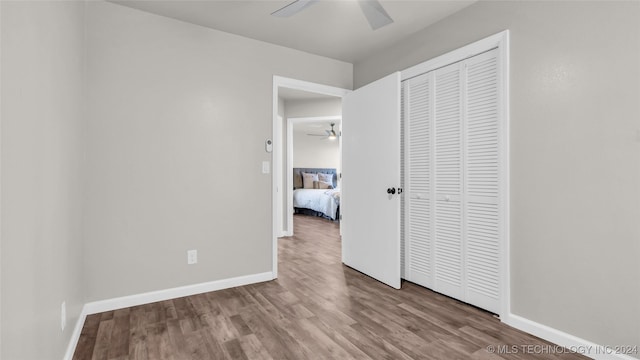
{"x": 482, "y": 174}
{"x": 418, "y": 115}
{"x": 448, "y": 244}
{"x": 453, "y": 169}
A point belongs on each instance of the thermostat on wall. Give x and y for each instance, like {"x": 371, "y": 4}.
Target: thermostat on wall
{"x": 268, "y": 145}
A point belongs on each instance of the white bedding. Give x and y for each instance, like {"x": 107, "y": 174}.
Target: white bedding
{"x": 324, "y": 201}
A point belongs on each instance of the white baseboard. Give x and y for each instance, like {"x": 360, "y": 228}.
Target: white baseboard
{"x": 154, "y": 296}
{"x": 75, "y": 336}
{"x": 584, "y": 347}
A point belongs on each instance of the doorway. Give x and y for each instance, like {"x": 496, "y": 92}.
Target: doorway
{"x": 313, "y": 144}
{"x": 282, "y": 225}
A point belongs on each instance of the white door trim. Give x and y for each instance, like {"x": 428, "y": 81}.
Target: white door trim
{"x": 277, "y": 174}
{"x": 501, "y": 42}
{"x": 276, "y": 199}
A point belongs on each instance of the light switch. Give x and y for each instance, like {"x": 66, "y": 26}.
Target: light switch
{"x": 266, "y": 167}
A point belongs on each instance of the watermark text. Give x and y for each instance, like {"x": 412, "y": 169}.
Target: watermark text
{"x": 502, "y": 349}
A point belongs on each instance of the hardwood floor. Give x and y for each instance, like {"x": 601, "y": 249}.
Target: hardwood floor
{"x": 316, "y": 309}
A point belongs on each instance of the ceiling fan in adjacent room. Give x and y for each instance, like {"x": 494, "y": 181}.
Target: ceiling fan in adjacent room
{"x": 373, "y": 11}
{"x": 330, "y": 134}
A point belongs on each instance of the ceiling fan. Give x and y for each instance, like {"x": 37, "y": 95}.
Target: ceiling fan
{"x": 373, "y": 11}
{"x": 330, "y": 134}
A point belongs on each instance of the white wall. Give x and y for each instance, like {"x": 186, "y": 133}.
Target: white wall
{"x": 329, "y": 106}
{"x": 42, "y": 152}
{"x": 178, "y": 118}
{"x": 314, "y": 151}
{"x": 575, "y": 154}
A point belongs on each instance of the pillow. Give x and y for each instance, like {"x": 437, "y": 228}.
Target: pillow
{"x": 328, "y": 178}
{"x": 322, "y": 185}
{"x": 308, "y": 179}
{"x": 297, "y": 180}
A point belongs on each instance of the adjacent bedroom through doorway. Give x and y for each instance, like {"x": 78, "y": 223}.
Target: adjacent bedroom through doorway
{"x": 312, "y": 157}
{"x": 316, "y": 164}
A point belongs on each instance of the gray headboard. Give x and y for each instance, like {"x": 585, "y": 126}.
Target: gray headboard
{"x": 297, "y": 175}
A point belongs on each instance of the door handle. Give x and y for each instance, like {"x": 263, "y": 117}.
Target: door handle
{"x": 391, "y": 190}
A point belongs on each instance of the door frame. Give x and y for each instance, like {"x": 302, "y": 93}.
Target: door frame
{"x": 498, "y": 41}
{"x": 289, "y": 162}
{"x": 276, "y": 157}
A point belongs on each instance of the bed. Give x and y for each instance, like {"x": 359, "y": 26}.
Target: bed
{"x": 319, "y": 197}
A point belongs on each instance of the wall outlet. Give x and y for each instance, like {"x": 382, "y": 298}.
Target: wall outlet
{"x": 63, "y": 316}
{"x": 192, "y": 257}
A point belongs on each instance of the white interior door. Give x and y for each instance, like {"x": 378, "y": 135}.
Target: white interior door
{"x": 371, "y": 169}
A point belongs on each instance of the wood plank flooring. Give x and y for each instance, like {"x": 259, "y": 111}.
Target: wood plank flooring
{"x": 316, "y": 309}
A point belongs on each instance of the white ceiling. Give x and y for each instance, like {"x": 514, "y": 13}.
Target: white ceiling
{"x": 331, "y": 28}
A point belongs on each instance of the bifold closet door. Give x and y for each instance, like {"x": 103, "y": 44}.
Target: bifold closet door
{"x": 434, "y": 252}
{"x": 453, "y": 166}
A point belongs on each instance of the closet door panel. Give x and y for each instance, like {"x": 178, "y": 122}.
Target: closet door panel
{"x": 482, "y": 170}
{"x": 449, "y": 250}
{"x": 418, "y": 195}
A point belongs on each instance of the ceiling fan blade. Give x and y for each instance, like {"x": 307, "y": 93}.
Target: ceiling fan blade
{"x": 293, "y": 8}
{"x": 316, "y": 135}
{"x": 375, "y": 13}
{"x": 328, "y": 132}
